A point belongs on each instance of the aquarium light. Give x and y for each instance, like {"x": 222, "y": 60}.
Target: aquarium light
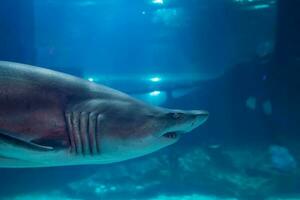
{"x": 155, "y": 79}
{"x": 158, "y": 1}
{"x": 91, "y": 79}
{"x": 155, "y": 93}
{"x": 261, "y": 6}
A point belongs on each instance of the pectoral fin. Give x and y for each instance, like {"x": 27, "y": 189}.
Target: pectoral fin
{"x": 11, "y": 142}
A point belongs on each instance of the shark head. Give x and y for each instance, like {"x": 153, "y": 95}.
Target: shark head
{"x": 132, "y": 129}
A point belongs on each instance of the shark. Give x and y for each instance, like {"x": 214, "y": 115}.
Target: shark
{"x": 49, "y": 118}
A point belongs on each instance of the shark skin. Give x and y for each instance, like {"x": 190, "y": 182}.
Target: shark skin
{"x": 49, "y": 119}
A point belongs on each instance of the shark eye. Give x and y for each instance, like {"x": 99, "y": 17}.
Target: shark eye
{"x": 176, "y": 115}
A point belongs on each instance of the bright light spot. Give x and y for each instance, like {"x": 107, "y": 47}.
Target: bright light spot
{"x": 261, "y": 6}
{"x": 155, "y": 93}
{"x": 139, "y": 187}
{"x": 98, "y": 190}
{"x": 173, "y": 17}
{"x": 251, "y": 103}
{"x": 155, "y": 79}
{"x": 143, "y": 12}
{"x": 267, "y": 107}
{"x": 91, "y": 79}
{"x": 158, "y": 1}
{"x": 113, "y": 188}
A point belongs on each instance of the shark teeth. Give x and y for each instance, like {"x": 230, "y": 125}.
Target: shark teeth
{"x": 170, "y": 135}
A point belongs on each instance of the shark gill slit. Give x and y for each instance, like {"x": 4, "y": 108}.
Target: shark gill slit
{"x": 79, "y": 126}
{"x": 70, "y": 132}
{"x": 74, "y": 133}
{"x": 88, "y": 134}
{"x": 82, "y": 128}
{"x": 92, "y": 133}
{"x": 83, "y": 132}
{"x": 97, "y": 132}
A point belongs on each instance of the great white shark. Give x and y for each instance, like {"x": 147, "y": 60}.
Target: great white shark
{"x": 48, "y": 118}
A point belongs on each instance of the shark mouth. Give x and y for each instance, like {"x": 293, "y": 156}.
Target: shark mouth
{"x": 171, "y": 135}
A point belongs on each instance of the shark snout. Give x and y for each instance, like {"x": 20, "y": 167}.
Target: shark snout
{"x": 194, "y": 119}
{"x": 199, "y": 116}
{"x": 184, "y": 121}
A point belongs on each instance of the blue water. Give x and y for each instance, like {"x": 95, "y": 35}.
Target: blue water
{"x": 219, "y": 56}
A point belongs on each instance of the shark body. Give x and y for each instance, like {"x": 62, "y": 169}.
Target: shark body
{"x": 49, "y": 118}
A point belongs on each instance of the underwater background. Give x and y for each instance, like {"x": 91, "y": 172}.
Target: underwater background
{"x": 237, "y": 59}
